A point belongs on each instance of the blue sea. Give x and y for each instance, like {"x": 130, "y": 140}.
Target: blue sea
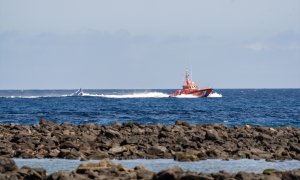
{"x": 261, "y": 107}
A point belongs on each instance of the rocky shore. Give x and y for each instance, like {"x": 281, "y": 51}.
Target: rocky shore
{"x": 105, "y": 169}
{"x": 181, "y": 141}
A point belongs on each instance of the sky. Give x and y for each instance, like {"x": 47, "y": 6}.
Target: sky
{"x": 139, "y": 44}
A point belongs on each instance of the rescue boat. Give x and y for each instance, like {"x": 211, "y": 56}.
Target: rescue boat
{"x": 191, "y": 88}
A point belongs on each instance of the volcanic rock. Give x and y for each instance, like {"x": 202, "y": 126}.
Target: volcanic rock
{"x": 7, "y": 165}
{"x": 134, "y": 140}
{"x": 183, "y": 156}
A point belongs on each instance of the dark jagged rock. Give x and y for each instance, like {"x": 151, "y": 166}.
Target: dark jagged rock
{"x": 98, "y": 156}
{"x": 157, "y": 150}
{"x": 184, "y": 156}
{"x": 112, "y": 134}
{"x": 170, "y": 174}
{"x": 142, "y": 173}
{"x": 132, "y": 140}
{"x": 7, "y": 165}
{"x": 32, "y": 173}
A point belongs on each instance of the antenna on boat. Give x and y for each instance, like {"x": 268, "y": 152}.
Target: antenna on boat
{"x": 190, "y": 68}
{"x": 186, "y": 75}
{"x": 191, "y": 72}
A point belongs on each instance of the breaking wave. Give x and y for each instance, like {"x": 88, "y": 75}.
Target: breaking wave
{"x": 186, "y": 96}
{"x": 215, "y": 94}
{"x": 132, "y": 95}
{"x": 33, "y": 97}
{"x": 119, "y": 96}
{"x": 28, "y": 97}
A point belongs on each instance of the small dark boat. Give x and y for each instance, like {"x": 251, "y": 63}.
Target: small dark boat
{"x": 79, "y": 92}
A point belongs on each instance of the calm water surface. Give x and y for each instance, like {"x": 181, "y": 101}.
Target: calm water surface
{"x": 156, "y": 165}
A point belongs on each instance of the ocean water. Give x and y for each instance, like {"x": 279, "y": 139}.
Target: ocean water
{"x": 156, "y": 165}
{"x": 262, "y": 107}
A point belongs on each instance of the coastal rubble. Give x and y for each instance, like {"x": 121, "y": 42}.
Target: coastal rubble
{"x": 181, "y": 141}
{"x": 105, "y": 169}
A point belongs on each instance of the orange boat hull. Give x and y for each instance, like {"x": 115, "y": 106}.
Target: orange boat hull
{"x": 203, "y": 92}
{"x": 191, "y": 88}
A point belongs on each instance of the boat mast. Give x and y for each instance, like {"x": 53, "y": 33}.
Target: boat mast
{"x": 187, "y": 81}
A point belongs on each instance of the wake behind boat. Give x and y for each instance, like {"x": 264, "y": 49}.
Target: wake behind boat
{"x": 79, "y": 92}
{"x": 191, "y": 88}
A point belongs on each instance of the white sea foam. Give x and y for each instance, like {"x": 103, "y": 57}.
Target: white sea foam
{"x": 25, "y": 97}
{"x": 186, "y": 96}
{"x": 132, "y": 95}
{"x": 129, "y": 95}
{"x": 33, "y": 97}
{"x": 214, "y": 95}
{"x": 88, "y": 94}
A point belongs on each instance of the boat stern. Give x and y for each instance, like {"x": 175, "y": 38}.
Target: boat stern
{"x": 206, "y": 91}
